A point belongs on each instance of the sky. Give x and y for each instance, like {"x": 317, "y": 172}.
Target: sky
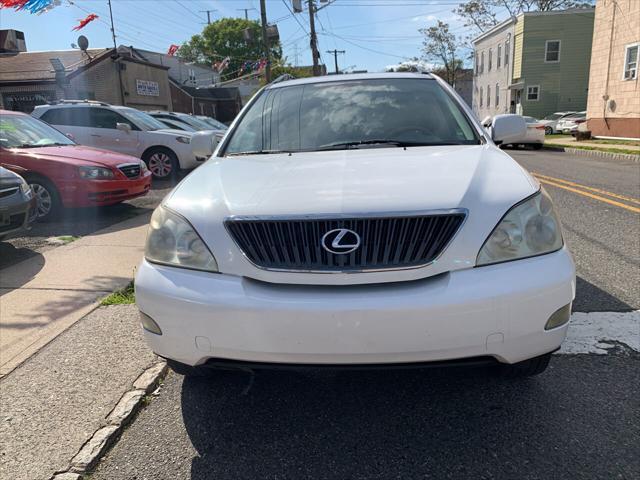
{"x": 374, "y": 33}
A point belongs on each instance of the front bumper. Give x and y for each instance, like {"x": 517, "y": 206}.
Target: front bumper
{"x": 18, "y": 215}
{"x": 498, "y": 311}
{"x": 94, "y": 193}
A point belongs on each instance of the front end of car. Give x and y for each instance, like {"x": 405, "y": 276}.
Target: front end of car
{"x": 18, "y": 206}
{"x": 93, "y": 185}
{"x": 423, "y": 285}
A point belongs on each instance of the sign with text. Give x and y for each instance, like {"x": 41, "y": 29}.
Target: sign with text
{"x": 147, "y": 88}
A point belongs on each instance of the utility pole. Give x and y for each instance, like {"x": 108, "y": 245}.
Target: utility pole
{"x": 314, "y": 40}
{"x": 208, "y": 12}
{"x": 295, "y": 54}
{"x": 265, "y": 41}
{"x": 246, "y": 12}
{"x": 117, "y": 56}
{"x": 335, "y": 57}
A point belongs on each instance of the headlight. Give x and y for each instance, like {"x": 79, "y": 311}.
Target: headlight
{"x": 530, "y": 228}
{"x": 25, "y": 189}
{"x": 95, "y": 173}
{"x": 183, "y": 139}
{"x": 173, "y": 241}
{"x": 143, "y": 167}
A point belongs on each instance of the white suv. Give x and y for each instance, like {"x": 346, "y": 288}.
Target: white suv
{"x": 357, "y": 220}
{"x": 127, "y": 130}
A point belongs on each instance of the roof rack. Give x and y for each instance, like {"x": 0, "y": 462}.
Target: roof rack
{"x": 74, "y": 102}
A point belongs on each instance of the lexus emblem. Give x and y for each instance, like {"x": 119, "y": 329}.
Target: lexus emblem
{"x": 340, "y": 241}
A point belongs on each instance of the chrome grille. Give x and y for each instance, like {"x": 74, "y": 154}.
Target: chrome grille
{"x": 131, "y": 170}
{"x": 387, "y": 242}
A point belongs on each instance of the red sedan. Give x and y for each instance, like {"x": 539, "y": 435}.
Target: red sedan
{"x": 64, "y": 174}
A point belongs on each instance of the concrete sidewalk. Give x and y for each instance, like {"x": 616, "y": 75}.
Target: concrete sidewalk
{"x": 42, "y": 296}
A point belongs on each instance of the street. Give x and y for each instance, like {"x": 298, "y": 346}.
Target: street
{"x": 578, "y": 420}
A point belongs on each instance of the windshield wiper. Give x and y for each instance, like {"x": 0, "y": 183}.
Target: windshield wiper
{"x": 396, "y": 143}
{"x": 258, "y": 152}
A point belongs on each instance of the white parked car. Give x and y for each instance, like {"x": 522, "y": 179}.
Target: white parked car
{"x": 550, "y": 122}
{"x": 569, "y": 124}
{"x": 186, "y": 119}
{"x": 130, "y": 131}
{"x": 341, "y": 225}
{"x": 533, "y": 136}
{"x": 217, "y": 125}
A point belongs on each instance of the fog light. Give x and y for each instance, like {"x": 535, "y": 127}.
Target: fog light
{"x": 559, "y": 318}
{"x": 149, "y": 324}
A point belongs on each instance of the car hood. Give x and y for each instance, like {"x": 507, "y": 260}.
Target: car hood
{"x": 480, "y": 179}
{"x": 78, "y": 155}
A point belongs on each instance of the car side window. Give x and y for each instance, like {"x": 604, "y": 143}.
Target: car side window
{"x": 60, "y": 116}
{"x": 103, "y": 118}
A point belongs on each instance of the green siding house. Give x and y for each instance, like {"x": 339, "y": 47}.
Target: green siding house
{"x": 551, "y": 58}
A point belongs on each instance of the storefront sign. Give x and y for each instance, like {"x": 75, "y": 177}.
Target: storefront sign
{"x": 147, "y": 88}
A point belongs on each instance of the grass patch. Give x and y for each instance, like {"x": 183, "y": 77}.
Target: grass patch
{"x": 604, "y": 141}
{"x": 68, "y": 239}
{"x": 597, "y": 148}
{"x": 126, "y": 296}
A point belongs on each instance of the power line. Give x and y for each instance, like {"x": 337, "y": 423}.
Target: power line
{"x": 335, "y": 57}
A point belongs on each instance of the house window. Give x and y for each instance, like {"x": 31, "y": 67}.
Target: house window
{"x": 552, "y": 51}
{"x": 490, "y": 58}
{"x": 497, "y": 94}
{"x": 481, "y": 96}
{"x": 533, "y": 93}
{"x": 476, "y": 64}
{"x": 482, "y": 62}
{"x": 507, "y": 44}
{"x": 488, "y": 96}
{"x": 631, "y": 57}
{"x": 499, "y": 55}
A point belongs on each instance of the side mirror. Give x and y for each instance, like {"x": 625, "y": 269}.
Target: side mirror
{"x": 203, "y": 144}
{"x": 124, "y": 127}
{"x": 507, "y": 128}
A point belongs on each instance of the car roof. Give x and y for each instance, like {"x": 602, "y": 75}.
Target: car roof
{"x": 347, "y": 77}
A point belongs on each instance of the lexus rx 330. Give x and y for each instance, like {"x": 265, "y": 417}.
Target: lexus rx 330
{"x": 357, "y": 220}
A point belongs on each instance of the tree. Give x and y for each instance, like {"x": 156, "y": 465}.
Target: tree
{"x": 481, "y": 15}
{"x": 440, "y": 45}
{"x": 226, "y": 38}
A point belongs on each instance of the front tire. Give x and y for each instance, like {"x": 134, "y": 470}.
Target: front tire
{"x": 536, "y": 146}
{"x": 162, "y": 163}
{"x": 548, "y": 130}
{"x": 47, "y": 197}
{"x": 526, "y": 368}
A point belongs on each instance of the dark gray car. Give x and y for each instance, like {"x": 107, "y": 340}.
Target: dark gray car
{"x": 17, "y": 203}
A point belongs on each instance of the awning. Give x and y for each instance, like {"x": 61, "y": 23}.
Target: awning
{"x": 517, "y": 86}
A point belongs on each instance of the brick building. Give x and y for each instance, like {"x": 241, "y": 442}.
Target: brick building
{"x": 613, "y": 107}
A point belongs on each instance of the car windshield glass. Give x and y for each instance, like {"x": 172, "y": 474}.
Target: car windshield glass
{"x": 553, "y": 116}
{"x": 530, "y": 120}
{"x": 142, "y": 119}
{"x": 214, "y": 123}
{"x": 342, "y": 115}
{"x": 22, "y": 131}
{"x": 194, "y": 122}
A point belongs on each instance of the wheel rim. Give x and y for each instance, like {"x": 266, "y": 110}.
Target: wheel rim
{"x": 548, "y": 131}
{"x": 160, "y": 164}
{"x": 43, "y": 196}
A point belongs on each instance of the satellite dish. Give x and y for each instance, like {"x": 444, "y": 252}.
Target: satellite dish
{"x": 83, "y": 43}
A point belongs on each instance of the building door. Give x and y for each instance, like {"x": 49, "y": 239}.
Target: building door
{"x": 516, "y": 106}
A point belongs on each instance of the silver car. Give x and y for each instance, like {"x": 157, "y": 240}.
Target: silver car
{"x": 18, "y": 207}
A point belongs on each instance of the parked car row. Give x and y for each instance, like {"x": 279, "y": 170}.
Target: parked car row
{"x": 84, "y": 153}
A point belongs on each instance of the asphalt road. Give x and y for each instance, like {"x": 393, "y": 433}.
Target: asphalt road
{"x": 578, "y": 420}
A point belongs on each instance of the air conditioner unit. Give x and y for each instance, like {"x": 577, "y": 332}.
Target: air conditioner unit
{"x": 12, "y": 41}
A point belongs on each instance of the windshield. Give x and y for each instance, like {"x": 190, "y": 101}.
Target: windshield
{"x": 22, "y": 131}
{"x": 341, "y": 115}
{"x": 553, "y": 116}
{"x": 177, "y": 125}
{"x": 194, "y": 122}
{"x": 214, "y": 123}
{"x": 142, "y": 119}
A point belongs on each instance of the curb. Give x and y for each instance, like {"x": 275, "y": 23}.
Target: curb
{"x": 125, "y": 410}
{"x": 594, "y": 153}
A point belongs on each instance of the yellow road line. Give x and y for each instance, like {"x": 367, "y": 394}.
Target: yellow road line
{"x": 604, "y": 192}
{"x": 591, "y": 195}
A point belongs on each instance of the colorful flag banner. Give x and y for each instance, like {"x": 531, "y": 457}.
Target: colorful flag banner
{"x": 84, "y": 21}
{"x": 172, "y": 49}
{"x": 32, "y": 6}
